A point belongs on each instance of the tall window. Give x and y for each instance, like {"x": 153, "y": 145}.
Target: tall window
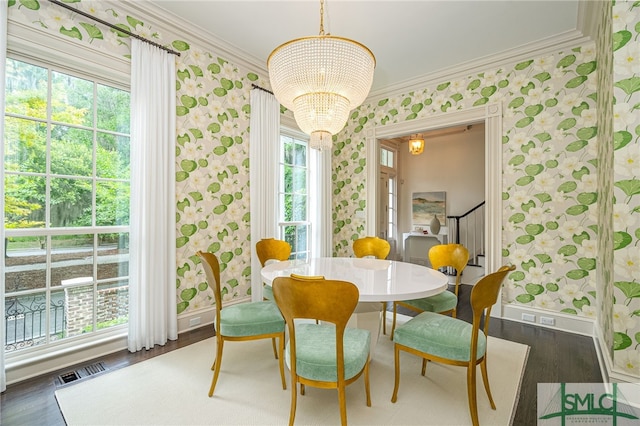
{"x": 293, "y": 215}
{"x": 66, "y": 205}
{"x": 388, "y": 204}
{"x": 387, "y": 157}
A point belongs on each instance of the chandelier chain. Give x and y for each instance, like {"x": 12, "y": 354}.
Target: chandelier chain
{"x": 321, "y": 17}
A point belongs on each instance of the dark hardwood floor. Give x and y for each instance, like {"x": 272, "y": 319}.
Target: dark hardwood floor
{"x": 554, "y": 357}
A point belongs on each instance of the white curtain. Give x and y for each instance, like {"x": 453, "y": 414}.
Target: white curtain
{"x": 320, "y": 203}
{"x": 264, "y": 151}
{"x": 152, "y": 265}
{"x": 325, "y": 222}
{"x": 3, "y": 60}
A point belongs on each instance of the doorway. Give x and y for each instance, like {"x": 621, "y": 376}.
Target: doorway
{"x": 491, "y": 115}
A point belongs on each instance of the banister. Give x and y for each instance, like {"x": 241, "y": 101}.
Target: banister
{"x": 457, "y": 219}
{"x": 467, "y": 213}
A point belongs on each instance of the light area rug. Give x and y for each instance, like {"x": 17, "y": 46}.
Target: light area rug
{"x": 171, "y": 389}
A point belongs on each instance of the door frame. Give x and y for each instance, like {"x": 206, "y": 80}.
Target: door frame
{"x": 391, "y": 174}
{"x": 491, "y": 115}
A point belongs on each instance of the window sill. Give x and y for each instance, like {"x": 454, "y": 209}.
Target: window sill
{"x": 27, "y": 363}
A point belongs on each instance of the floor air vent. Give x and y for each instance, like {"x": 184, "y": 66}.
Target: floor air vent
{"x": 81, "y": 373}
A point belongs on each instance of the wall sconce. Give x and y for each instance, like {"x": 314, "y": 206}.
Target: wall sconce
{"x": 416, "y": 144}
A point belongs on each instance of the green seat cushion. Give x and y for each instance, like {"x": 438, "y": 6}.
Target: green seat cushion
{"x": 316, "y": 351}
{"x": 250, "y": 319}
{"x": 439, "y": 335}
{"x": 267, "y": 292}
{"x": 442, "y": 302}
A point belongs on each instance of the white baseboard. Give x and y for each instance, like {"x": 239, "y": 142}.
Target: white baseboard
{"x": 196, "y": 319}
{"x": 19, "y": 369}
{"x": 609, "y": 372}
{"x": 603, "y": 357}
{"x": 563, "y": 322}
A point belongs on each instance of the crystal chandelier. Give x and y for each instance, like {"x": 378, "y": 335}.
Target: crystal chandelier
{"x": 321, "y": 79}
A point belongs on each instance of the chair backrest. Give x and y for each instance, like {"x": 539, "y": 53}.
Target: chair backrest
{"x": 483, "y": 296}
{"x": 272, "y": 249}
{"x": 211, "y": 267}
{"x": 305, "y": 297}
{"x": 371, "y": 246}
{"x": 314, "y": 297}
{"x": 453, "y": 255}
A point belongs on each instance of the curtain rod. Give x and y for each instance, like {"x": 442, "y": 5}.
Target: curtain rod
{"x": 255, "y": 86}
{"x": 73, "y": 9}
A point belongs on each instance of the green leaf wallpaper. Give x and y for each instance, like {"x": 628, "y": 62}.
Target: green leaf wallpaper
{"x": 550, "y": 177}
{"x": 625, "y": 273}
{"x": 570, "y": 173}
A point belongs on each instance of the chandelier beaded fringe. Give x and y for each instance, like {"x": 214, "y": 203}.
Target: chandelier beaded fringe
{"x": 321, "y": 79}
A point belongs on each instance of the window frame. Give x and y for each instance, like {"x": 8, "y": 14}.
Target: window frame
{"x": 308, "y": 222}
{"x": 100, "y": 68}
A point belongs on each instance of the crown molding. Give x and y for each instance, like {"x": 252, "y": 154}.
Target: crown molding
{"x": 35, "y": 43}
{"x": 586, "y": 26}
{"x": 541, "y": 47}
{"x": 588, "y": 16}
{"x": 202, "y": 37}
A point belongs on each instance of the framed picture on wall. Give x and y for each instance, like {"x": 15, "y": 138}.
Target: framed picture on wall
{"x": 426, "y": 205}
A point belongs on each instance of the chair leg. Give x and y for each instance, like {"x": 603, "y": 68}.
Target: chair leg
{"x": 485, "y": 379}
{"x": 216, "y": 366}
{"x": 280, "y": 361}
{"x": 384, "y": 317}
{"x": 471, "y": 394}
{"x": 393, "y": 323}
{"x": 275, "y": 351}
{"x": 294, "y": 397}
{"x": 342, "y": 399}
{"x": 366, "y": 383}
{"x": 396, "y": 356}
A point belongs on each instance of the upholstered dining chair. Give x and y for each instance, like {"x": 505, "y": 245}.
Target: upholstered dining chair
{"x": 440, "y": 256}
{"x": 378, "y": 248}
{"x": 448, "y": 340}
{"x": 271, "y": 249}
{"x": 327, "y": 354}
{"x": 241, "y": 322}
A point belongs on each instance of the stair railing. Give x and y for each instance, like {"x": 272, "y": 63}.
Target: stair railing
{"x": 468, "y": 230}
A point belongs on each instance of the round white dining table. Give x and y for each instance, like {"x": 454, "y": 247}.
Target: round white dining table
{"x": 377, "y": 281}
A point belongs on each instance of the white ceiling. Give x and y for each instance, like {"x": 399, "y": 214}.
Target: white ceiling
{"x": 412, "y": 40}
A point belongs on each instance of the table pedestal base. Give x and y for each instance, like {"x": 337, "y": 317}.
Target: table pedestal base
{"x": 368, "y": 316}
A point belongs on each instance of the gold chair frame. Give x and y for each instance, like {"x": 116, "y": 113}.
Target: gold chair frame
{"x": 333, "y": 301}
{"x": 483, "y": 296}
{"x": 212, "y": 270}
{"x": 272, "y": 249}
{"x": 440, "y": 256}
